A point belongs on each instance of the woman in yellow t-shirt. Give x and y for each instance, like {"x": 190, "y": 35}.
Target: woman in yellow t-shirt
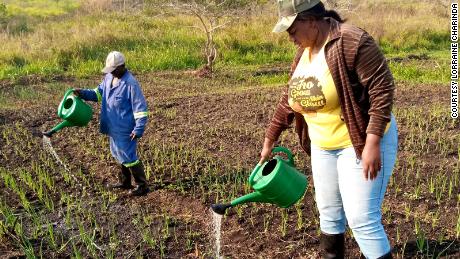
{"x": 340, "y": 95}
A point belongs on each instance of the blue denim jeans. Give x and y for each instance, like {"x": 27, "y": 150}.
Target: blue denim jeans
{"x": 344, "y": 195}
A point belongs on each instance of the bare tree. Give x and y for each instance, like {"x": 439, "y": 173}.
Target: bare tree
{"x": 211, "y": 15}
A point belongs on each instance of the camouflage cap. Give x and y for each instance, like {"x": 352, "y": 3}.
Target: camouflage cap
{"x": 288, "y": 10}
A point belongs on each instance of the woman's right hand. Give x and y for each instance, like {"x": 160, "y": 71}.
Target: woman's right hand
{"x": 77, "y": 92}
{"x": 266, "y": 150}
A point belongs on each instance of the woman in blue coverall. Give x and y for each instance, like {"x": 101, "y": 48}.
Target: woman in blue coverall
{"x": 123, "y": 117}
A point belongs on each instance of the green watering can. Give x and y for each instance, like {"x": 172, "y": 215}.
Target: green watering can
{"x": 74, "y": 111}
{"x": 276, "y": 181}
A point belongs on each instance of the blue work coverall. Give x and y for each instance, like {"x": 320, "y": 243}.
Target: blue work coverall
{"x": 123, "y": 111}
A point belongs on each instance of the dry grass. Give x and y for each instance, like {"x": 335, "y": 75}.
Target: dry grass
{"x": 96, "y": 5}
{"x": 394, "y": 20}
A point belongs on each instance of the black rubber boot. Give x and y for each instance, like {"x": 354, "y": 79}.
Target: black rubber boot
{"x": 386, "y": 256}
{"x": 332, "y": 246}
{"x": 124, "y": 179}
{"x": 139, "y": 178}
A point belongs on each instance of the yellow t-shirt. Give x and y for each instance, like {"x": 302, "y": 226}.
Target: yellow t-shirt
{"x": 312, "y": 93}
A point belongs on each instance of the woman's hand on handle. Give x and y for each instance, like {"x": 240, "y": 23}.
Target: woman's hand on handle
{"x": 266, "y": 150}
{"x": 371, "y": 157}
{"x": 77, "y": 92}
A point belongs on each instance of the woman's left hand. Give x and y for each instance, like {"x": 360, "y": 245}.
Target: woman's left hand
{"x": 133, "y": 136}
{"x": 370, "y": 158}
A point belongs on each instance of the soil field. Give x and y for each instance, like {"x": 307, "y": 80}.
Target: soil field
{"x": 202, "y": 141}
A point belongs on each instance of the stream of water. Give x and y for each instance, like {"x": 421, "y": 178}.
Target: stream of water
{"x": 216, "y": 222}
{"x": 49, "y": 147}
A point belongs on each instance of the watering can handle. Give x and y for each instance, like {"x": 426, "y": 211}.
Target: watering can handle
{"x": 253, "y": 174}
{"x": 285, "y": 151}
{"x": 67, "y": 93}
{"x": 61, "y": 104}
{"x": 274, "y": 150}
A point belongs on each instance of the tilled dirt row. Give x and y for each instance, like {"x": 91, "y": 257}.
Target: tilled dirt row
{"x": 222, "y": 124}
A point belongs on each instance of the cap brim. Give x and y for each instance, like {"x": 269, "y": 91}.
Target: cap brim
{"x": 284, "y": 23}
{"x": 107, "y": 70}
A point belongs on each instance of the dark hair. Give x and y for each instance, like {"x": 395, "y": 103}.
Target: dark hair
{"x": 319, "y": 12}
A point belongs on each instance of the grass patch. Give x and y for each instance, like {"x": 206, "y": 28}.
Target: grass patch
{"x": 77, "y": 44}
{"x": 420, "y": 71}
{"x": 40, "y": 8}
{"x": 416, "y": 42}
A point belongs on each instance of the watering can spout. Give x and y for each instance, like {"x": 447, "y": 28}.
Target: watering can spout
{"x": 251, "y": 197}
{"x": 220, "y": 208}
{"x": 57, "y": 128}
{"x": 48, "y": 133}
